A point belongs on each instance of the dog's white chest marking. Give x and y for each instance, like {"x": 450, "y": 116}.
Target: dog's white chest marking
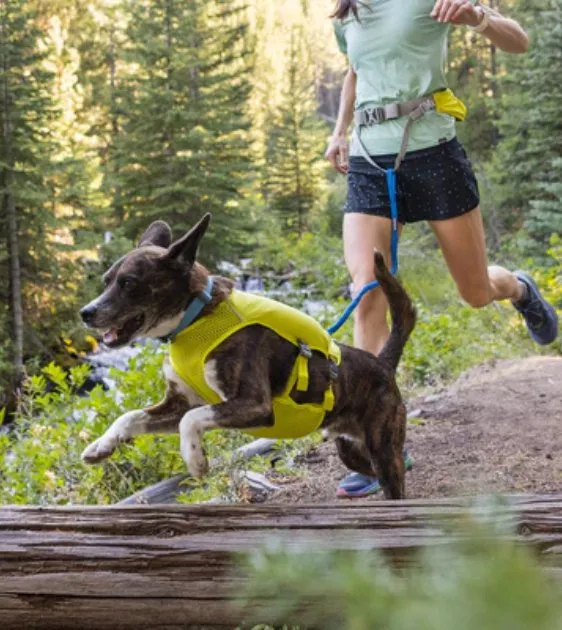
{"x": 181, "y": 386}
{"x": 211, "y": 378}
{"x": 164, "y": 327}
{"x": 210, "y": 375}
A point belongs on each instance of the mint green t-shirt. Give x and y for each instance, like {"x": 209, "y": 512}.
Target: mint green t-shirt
{"x": 398, "y": 52}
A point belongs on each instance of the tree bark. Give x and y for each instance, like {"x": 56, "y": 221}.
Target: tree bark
{"x": 174, "y": 566}
{"x": 114, "y": 121}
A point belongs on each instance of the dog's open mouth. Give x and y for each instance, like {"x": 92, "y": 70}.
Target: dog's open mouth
{"x": 114, "y": 337}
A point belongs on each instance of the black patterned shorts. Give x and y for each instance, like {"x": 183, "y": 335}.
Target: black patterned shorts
{"x": 433, "y": 184}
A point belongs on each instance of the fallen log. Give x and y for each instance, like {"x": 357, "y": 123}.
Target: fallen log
{"x": 137, "y": 567}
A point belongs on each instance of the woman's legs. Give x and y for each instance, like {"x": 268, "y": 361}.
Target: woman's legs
{"x": 462, "y": 242}
{"x": 362, "y": 233}
{"x": 463, "y": 245}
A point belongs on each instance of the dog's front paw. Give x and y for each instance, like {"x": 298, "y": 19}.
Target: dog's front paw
{"x": 196, "y": 461}
{"x": 98, "y": 450}
{"x": 198, "y": 466}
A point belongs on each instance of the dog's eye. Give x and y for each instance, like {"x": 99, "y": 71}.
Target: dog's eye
{"x": 126, "y": 284}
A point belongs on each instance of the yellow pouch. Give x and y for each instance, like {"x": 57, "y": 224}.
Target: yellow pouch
{"x": 447, "y": 103}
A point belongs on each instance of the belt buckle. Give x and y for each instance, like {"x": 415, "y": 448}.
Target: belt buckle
{"x": 374, "y": 116}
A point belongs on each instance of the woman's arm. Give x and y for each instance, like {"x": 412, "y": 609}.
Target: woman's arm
{"x": 338, "y": 150}
{"x": 505, "y": 33}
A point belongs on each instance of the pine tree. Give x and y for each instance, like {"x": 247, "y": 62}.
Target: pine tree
{"x": 26, "y": 195}
{"x": 545, "y": 93}
{"x": 46, "y": 189}
{"x": 294, "y": 158}
{"x": 97, "y": 31}
{"x": 528, "y": 164}
{"x": 183, "y": 147}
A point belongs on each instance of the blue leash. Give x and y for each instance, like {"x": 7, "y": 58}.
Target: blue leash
{"x": 391, "y": 186}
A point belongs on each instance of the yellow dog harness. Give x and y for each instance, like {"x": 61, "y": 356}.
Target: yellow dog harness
{"x": 192, "y": 346}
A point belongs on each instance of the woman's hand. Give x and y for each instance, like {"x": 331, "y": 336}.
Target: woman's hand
{"x": 456, "y": 12}
{"x": 505, "y": 33}
{"x": 338, "y": 153}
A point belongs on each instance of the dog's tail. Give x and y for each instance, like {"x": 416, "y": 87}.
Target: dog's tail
{"x": 402, "y": 311}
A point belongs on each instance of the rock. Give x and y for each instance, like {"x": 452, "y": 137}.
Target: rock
{"x": 416, "y": 413}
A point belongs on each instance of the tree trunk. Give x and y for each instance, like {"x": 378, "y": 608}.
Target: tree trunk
{"x": 114, "y": 121}
{"x": 16, "y": 307}
{"x": 173, "y": 566}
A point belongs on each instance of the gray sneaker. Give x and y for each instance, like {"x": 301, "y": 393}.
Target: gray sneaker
{"x": 539, "y": 315}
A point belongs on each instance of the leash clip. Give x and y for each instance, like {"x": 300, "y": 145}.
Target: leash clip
{"x": 304, "y": 350}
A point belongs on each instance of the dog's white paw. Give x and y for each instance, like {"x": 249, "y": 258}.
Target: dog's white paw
{"x": 195, "y": 460}
{"x": 122, "y": 430}
{"x": 192, "y": 426}
{"x": 99, "y": 450}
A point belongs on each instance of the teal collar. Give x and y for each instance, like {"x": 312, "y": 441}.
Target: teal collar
{"x": 193, "y": 310}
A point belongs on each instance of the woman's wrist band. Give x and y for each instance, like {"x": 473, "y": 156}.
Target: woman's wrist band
{"x": 484, "y": 22}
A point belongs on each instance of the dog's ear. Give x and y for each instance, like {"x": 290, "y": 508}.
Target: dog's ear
{"x": 185, "y": 248}
{"x": 158, "y": 233}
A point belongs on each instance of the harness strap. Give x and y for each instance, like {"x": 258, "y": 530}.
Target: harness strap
{"x": 329, "y": 399}
{"x": 334, "y": 358}
{"x": 377, "y": 115}
{"x": 423, "y": 105}
{"x": 363, "y": 150}
{"x": 302, "y": 367}
{"x": 415, "y": 115}
{"x": 302, "y": 382}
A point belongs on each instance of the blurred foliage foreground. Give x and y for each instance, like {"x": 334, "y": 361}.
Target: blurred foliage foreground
{"x": 484, "y": 582}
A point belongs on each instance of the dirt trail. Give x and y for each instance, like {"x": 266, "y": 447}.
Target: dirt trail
{"x": 497, "y": 429}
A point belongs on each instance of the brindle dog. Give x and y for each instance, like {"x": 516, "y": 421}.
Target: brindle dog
{"x": 146, "y": 293}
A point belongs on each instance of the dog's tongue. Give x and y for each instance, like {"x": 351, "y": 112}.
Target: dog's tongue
{"x": 110, "y": 336}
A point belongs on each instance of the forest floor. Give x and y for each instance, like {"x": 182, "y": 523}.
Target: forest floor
{"x": 498, "y": 428}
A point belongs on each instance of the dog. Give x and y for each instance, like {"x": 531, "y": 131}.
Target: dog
{"x": 145, "y": 295}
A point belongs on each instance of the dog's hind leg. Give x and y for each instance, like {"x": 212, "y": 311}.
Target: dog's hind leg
{"x": 235, "y": 414}
{"x": 161, "y": 418}
{"x": 354, "y": 456}
{"x": 386, "y": 446}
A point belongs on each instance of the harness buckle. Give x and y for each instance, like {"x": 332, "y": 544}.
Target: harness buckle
{"x": 425, "y": 106}
{"x": 374, "y": 116}
{"x": 334, "y": 370}
{"x": 304, "y": 350}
